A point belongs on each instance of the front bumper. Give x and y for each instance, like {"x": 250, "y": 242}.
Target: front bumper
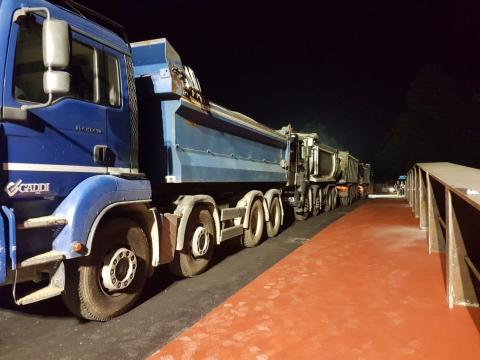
{"x": 7, "y": 241}
{"x": 3, "y": 251}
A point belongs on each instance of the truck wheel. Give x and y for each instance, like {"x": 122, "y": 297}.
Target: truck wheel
{"x": 273, "y": 226}
{"x": 351, "y": 196}
{"x": 317, "y": 202}
{"x": 303, "y": 213}
{"x": 253, "y": 235}
{"x": 334, "y": 199}
{"x": 198, "y": 245}
{"x": 108, "y": 282}
{"x": 328, "y": 200}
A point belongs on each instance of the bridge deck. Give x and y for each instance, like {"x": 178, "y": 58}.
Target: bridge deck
{"x": 363, "y": 288}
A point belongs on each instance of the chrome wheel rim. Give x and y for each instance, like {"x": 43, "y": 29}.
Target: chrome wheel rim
{"x": 118, "y": 270}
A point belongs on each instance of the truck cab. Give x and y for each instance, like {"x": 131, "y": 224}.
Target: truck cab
{"x": 68, "y": 139}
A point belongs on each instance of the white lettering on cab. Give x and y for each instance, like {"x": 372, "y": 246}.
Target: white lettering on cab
{"x": 13, "y": 188}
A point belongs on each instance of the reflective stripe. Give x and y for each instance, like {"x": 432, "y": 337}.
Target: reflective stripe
{"x": 63, "y": 168}
{"x": 117, "y": 170}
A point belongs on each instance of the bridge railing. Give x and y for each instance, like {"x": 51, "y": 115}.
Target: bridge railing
{"x": 446, "y": 199}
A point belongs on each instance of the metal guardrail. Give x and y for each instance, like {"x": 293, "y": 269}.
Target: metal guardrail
{"x": 446, "y": 199}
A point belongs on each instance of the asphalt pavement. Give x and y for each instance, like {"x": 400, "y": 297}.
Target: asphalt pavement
{"x": 46, "y": 330}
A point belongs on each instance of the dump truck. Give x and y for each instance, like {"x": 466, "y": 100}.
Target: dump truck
{"x": 318, "y": 167}
{"x": 348, "y": 180}
{"x": 364, "y": 180}
{"x": 114, "y": 162}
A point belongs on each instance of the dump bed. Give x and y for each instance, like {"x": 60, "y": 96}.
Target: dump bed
{"x": 349, "y": 167}
{"x": 324, "y": 163}
{"x": 364, "y": 174}
{"x": 185, "y": 138}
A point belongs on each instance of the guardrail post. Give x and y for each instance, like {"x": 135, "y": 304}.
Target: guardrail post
{"x": 436, "y": 240}
{"x": 408, "y": 187}
{"x": 460, "y": 288}
{"x": 412, "y": 188}
{"x": 417, "y": 192}
{"x": 423, "y": 200}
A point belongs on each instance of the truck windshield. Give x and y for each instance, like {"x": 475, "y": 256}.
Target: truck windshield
{"x": 29, "y": 69}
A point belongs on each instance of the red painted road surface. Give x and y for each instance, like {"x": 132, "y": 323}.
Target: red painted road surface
{"x": 364, "y": 288}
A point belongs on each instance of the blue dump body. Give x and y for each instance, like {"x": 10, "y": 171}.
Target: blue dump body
{"x": 185, "y": 139}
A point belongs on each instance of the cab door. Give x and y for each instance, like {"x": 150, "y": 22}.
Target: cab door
{"x": 54, "y": 145}
{"x": 119, "y": 127}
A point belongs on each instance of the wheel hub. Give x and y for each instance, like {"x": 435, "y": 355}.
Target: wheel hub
{"x": 118, "y": 270}
{"x": 200, "y": 242}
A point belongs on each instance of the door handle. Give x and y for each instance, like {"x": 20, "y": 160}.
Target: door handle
{"x": 103, "y": 155}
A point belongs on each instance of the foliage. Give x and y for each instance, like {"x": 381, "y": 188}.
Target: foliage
{"x": 440, "y": 124}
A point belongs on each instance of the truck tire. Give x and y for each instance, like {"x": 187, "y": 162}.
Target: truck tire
{"x": 108, "y": 282}
{"x": 351, "y": 195}
{"x": 256, "y": 220}
{"x": 328, "y": 201}
{"x": 273, "y": 226}
{"x": 303, "y": 213}
{"x": 317, "y": 202}
{"x": 334, "y": 195}
{"x": 198, "y": 246}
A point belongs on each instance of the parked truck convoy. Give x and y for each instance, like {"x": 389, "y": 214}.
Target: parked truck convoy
{"x": 114, "y": 163}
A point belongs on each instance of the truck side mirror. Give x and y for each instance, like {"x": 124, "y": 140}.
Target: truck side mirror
{"x": 56, "y": 82}
{"x": 56, "y": 55}
{"x": 56, "y": 44}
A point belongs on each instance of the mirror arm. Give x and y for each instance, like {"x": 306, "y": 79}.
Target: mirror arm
{"x": 39, "y": 106}
{"x": 24, "y": 11}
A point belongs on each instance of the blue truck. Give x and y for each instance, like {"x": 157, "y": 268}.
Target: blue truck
{"x": 114, "y": 162}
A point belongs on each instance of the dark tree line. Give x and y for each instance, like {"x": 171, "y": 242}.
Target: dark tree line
{"x": 441, "y": 123}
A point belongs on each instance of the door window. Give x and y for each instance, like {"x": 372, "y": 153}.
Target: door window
{"x": 83, "y": 65}
{"x": 29, "y": 69}
{"x": 112, "y": 81}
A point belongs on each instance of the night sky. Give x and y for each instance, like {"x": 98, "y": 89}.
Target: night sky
{"x": 343, "y": 67}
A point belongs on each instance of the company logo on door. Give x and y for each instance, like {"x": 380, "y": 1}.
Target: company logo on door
{"x": 13, "y": 188}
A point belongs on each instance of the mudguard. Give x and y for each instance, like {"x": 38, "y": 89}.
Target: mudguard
{"x": 246, "y": 202}
{"x": 269, "y": 195}
{"x": 184, "y": 209}
{"x": 82, "y": 206}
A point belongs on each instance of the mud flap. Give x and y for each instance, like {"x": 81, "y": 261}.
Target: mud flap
{"x": 168, "y": 240}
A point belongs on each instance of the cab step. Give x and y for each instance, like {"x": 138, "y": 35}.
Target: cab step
{"x": 48, "y": 257}
{"x": 43, "y": 221}
{"x": 54, "y": 288}
{"x": 39, "y": 295}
